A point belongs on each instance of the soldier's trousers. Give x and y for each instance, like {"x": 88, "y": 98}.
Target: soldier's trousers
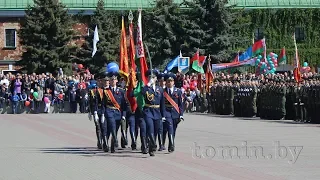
{"x": 160, "y": 130}
{"x": 143, "y": 127}
{"x": 168, "y": 126}
{"x": 103, "y": 125}
{"x": 175, "y": 126}
{"x": 300, "y": 112}
{"x": 131, "y": 120}
{"x": 152, "y": 126}
{"x": 101, "y": 128}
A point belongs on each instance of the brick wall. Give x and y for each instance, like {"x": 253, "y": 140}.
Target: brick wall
{"x": 9, "y": 54}
{"x": 81, "y": 30}
{"x": 15, "y": 54}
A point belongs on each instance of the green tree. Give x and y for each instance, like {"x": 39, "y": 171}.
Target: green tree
{"x": 193, "y": 34}
{"x": 109, "y": 37}
{"x": 46, "y": 34}
{"x": 163, "y": 31}
{"x": 218, "y": 22}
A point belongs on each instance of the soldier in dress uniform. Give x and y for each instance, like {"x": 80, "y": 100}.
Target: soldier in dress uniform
{"x": 131, "y": 117}
{"x": 115, "y": 109}
{"x": 93, "y": 108}
{"x": 153, "y": 109}
{"x": 173, "y": 109}
{"x": 162, "y": 130}
{"x": 139, "y": 116}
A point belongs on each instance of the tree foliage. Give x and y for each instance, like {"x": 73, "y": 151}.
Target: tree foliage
{"x": 278, "y": 27}
{"x": 164, "y": 36}
{"x": 109, "y": 36}
{"x": 46, "y": 34}
{"x": 210, "y": 25}
{"x": 214, "y": 24}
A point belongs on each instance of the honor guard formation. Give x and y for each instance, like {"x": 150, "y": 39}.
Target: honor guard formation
{"x": 272, "y": 96}
{"x": 156, "y": 119}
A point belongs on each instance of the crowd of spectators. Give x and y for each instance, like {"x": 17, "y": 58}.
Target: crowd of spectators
{"x": 33, "y": 92}
{"x": 37, "y": 93}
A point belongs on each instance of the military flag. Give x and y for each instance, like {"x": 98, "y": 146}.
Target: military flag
{"x": 143, "y": 68}
{"x": 132, "y": 72}
{"x": 209, "y": 75}
{"x": 124, "y": 66}
{"x": 296, "y": 71}
{"x": 283, "y": 57}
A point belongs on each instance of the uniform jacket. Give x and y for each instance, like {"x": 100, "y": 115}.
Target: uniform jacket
{"x": 96, "y": 101}
{"x": 170, "y": 111}
{"x": 110, "y": 109}
{"x": 153, "y": 98}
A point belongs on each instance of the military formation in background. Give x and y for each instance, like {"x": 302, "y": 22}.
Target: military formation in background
{"x": 155, "y": 121}
{"x": 272, "y": 97}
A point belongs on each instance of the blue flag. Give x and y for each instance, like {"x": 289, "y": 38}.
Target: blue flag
{"x": 172, "y": 64}
{"x": 246, "y": 55}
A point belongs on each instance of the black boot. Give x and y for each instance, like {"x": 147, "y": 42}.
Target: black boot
{"x": 105, "y": 145}
{"x": 161, "y": 144}
{"x": 124, "y": 140}
{"x": 99, "y": 138}
{"x": 133, "y": 144}
{"x": 171, "y": 143}
{"x": 152, "y": 145}
{"x": 144, "y": 145}
{"x": 113, "y": 145}
{"x": 164, "y": 140}
{"x": 114, "y": 138}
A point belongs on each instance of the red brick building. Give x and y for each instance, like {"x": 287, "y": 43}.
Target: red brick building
{"x": 10, "y": 47}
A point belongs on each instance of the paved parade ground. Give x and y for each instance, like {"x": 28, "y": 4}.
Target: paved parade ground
{"x": 62, "y": 146}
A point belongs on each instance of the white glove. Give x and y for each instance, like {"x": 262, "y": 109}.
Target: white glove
{"x": 102, "y": 118}
{"x": 96, "y": 117}
{"x": 163, "y": 119}
{"x": 89, "y": 116}
{"x": 151, "y": 82}
{"x": 181, "y": 118}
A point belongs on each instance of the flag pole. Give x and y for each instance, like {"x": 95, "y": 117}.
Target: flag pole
{"x": 253, "y": 38}
{"x": 149, "y": 58}
{"x": 130, "y": 16}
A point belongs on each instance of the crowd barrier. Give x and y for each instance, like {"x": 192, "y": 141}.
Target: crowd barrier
{"x": 26, "y": 110}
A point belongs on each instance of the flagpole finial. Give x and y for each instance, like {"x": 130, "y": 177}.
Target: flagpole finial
{"x": 130, "y": 16}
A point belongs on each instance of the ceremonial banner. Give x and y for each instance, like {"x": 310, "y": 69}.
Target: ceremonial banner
{"x": 283, "y": 57}
{"x": 209, "y": 76}
{"x": 197, "y": 61}
{"x": 124, "y": 65}
{"x": 296, "y": 62}
{"x": 140, "y": 51}
{"x": 132, "y": 77}
{"x": 183, "y": 64}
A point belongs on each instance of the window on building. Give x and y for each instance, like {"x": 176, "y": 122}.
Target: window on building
{"x": 10, "y": 37}
{"x": 258, "y": 34}
{"x": 299, "y": 33}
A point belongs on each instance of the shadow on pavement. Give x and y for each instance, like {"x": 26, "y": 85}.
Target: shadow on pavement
{"x": 261, "y": 120}
{"x": 92, "y": 151}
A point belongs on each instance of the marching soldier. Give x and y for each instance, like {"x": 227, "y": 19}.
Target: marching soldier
{"x": 173, "y": 109}
{"x": 131, "y": 116}
{"x": 162, "y": 130}
{"x": 97, "y": 111}
{"x": 153, "y": 109}
{"x": 115, "y": 110}
{"x": 139, "y": 116}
